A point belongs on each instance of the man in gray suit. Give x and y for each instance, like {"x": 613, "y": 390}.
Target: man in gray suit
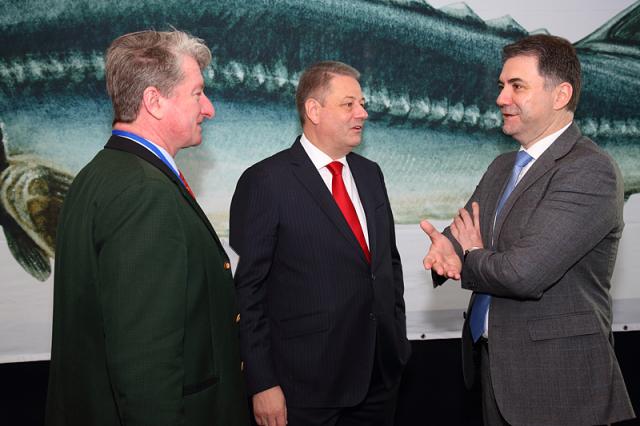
{"x": 536, "y": 244}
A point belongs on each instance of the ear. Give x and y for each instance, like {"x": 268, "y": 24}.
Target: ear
{"x": 312, "y": 110}
{"x": 153, "y": 102}
{"x": 563, "y": 92}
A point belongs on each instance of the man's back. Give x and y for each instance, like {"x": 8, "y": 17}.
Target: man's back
{"x": 143, "y": 305}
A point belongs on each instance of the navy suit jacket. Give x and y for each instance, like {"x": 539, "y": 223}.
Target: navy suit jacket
{"x": 314, "y": 311}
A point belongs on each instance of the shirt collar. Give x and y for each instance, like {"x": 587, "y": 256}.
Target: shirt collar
{"x": 133, "y": 136}
{"x": 538, "y": 148}
{"x": 317, "y": 156}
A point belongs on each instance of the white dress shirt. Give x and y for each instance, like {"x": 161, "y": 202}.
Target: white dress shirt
{"x": 320, "y": 160}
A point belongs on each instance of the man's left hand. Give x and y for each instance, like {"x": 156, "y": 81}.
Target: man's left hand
{"x": 466, "y": 229}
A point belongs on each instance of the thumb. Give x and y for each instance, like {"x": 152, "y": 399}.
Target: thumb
{"x": 429, "y": 229}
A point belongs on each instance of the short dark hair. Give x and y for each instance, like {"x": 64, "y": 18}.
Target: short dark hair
{"x": 314, "y": 82}
{"x": 557, "y": 61}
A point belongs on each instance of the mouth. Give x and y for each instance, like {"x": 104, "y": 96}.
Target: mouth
{"x": 507, "y": 116}
{"x": 357, "y": 128}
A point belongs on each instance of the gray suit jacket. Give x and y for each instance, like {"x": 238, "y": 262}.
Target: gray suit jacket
{"x": 549, "y": 268}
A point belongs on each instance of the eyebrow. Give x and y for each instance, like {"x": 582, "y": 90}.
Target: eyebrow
{"x": 512, "y": 80}
{"x": 352, "y": 97}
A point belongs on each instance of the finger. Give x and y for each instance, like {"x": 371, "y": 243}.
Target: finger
{"x": 458, "y": 222}
{"x": 476, "y": 214}
{"x": 465, "y": 218}
{"x": 429, "y": 229}
{"x": 455, "y": 231}
{"x": 427, "y": 262}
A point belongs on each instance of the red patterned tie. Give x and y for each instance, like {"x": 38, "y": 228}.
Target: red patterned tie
{"x": 186, "y": 185}
{"x": 346, "y": 206}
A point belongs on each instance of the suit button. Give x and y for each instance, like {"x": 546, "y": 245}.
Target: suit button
{"x": 373, "y": 277}
{"x": 241, "y": 365}
{"x": 226, "y": 265}
{"x": 372, "y": 316}
{"x": 237, "y": 318}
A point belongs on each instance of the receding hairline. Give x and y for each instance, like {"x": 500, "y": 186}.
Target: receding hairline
{"x": 327, "y": 88}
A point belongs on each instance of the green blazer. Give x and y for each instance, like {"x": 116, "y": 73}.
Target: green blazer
{"x": 144, "y": 319}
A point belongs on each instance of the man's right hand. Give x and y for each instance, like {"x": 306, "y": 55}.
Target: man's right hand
{"x": 442, "y": 257}
{"x": 270, "y": 408}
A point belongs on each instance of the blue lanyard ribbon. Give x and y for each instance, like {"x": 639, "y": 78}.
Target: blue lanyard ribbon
{"x": 142, "y": 141}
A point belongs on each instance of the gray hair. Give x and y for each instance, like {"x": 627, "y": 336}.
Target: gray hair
{"x": 142, "y": 59}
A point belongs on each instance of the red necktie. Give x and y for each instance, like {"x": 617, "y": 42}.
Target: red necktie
{"x": 186, "y": 185}
{"x": 346, "y": 206}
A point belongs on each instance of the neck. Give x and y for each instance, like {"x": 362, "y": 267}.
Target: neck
{"x": 322, "y": 145}
{"x": 147, "y": 132}
{"x": 561, "y": 120}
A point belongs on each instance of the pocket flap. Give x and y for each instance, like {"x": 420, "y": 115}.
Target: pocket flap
{"x": 566, "y": 325}
{"x": 306, "y": 324}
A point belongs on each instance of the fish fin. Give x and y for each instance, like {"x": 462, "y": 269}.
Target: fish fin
{"x": 623, "y": 31}
{"x": 31, "y": 257}
{"x": 3, "y": 149}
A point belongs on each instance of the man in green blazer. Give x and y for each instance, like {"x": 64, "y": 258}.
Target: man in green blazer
{"x": 145, "y": 320}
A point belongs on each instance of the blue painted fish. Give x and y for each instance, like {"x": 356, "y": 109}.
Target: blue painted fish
{"x": 429, "y": 76}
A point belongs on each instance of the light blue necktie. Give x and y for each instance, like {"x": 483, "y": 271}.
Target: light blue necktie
{"x": 482, "y": 300}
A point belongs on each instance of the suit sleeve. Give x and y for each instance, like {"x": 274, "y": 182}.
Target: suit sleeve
{"x": 142, "y": 277}
{"x": 253, "y": 225}
{"x": 579, "y": 208}
{"x": 395, "y": 263}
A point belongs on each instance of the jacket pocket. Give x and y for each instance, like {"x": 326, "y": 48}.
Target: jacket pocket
{"x": 565, "y": 325}
{"x": 306, "y": 324}
{"x": 198, "y": 387}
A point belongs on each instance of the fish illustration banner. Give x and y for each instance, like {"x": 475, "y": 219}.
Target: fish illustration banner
{"x": 429, "y": 74}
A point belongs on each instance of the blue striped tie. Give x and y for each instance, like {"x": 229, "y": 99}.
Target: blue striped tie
{"x": 482, "y": 300}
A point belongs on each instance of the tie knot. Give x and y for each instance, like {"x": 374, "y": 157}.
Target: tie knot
{"x": 335, "y": 168}
{"x": 522, "y": 159}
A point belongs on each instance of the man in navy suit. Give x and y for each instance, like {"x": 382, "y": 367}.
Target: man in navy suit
{"x": 319, "y": 280}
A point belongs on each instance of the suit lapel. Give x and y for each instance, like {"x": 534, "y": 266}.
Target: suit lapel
{"x": 558, "y": 149}
{"x": 367, "y": 198}
{"x": 502, "y": 178}
{"x": 305, "y": 171}
{"x": 122, "y": 144}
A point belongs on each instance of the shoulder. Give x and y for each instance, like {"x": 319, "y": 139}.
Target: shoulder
{"x": 116, "y": 174}
{"x": 356, "y": 158}
{"x": 270, "y": 168}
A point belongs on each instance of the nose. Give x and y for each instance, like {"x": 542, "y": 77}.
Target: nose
{"x": 206, "y": 107}
{"x": 504, "y": 97}
{"x": 361, "y": 112}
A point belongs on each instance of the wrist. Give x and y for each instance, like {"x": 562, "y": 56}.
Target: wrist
{"x": 469, "y": 250}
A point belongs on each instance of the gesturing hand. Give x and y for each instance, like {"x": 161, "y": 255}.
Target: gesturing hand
{"x": 269, "y": 407}
{"x": 466, "y": 229}
{"x": 442, "y": 257}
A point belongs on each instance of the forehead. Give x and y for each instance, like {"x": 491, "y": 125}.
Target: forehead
{"x": 344, "y": 86}
{"x": 524, "y": 67}
{"x": 191, "y": 71}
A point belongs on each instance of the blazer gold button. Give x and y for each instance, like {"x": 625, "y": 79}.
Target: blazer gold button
{"x": 226, "y": 265}
{"x": 238, "y": 318}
